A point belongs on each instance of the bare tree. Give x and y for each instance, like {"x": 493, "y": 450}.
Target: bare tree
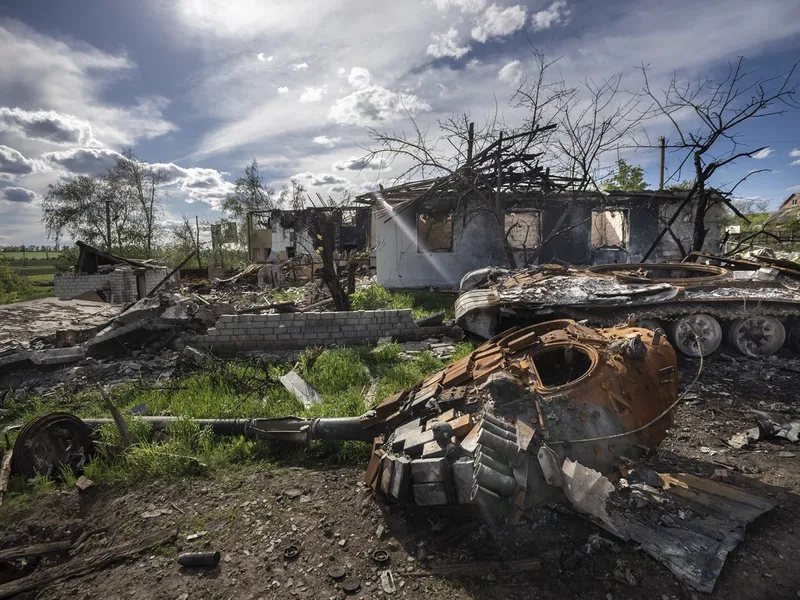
{"x": 707, "y": 117}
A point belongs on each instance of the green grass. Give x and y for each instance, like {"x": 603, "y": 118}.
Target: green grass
{"x": 17, "y": 255}
{"x": 40, "y": 277}
{"x": 35, "y": 270}
{"x": 422, "y": 304}
{"x": 244, "y": 389}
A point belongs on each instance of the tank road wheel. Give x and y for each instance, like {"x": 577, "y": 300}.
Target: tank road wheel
{"x": 705, "y": 328}
{"x": 651, "y": 324}
{"x": 757, "y": 336}
{"x": 793, "y": 338}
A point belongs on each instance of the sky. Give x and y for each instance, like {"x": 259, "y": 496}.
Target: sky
{"x": 204, "y": 86}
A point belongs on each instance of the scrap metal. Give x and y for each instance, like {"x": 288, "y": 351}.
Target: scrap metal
{"x": 697, "y": 305}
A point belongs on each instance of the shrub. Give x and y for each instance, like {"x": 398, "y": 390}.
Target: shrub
{"x": 372, "y": 297}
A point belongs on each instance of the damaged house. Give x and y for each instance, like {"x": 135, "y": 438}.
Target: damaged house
{"x": 279, "y": 235}
{"x": 107, "y": 277}
{"x": 433, "y": 241}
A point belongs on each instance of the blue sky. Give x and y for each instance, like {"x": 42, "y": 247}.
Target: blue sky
{"x": 203, "y": 86}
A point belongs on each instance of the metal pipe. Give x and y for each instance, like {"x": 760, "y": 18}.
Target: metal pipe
{"x": 287, "y": 429}
{"x": 498, "y": 431}
{"x": 486, "y": 451}
{"x": 495, "y": 481}
{"x": 509, "y": 450}
{"x": 483, "y": 459}
{"x": 493, "y": 503}
{"x": 499, "y": 422}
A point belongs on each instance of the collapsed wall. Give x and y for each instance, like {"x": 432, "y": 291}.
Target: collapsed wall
{"x": 120, "y": 285}
{"x": 235, "y": 333}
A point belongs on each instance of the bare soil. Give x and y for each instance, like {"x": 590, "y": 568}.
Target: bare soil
{"x": 252, "y": 514}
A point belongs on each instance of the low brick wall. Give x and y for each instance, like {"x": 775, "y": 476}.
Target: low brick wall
{"x": 69, "y": 285}
{"x": 234, "y": 333}
{"x": 120, "y": 283}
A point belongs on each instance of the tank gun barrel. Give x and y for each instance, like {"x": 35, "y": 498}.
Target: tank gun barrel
{"x": 286, "y": 429}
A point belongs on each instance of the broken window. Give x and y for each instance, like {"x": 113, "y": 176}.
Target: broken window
{"x": 348, "y": 217}
{"x": 522, "y": 229}
{"x": 609, "y": 228}
{"x": 435, "y": 232}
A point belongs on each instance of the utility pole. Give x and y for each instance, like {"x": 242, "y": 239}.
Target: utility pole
{"x": 197, "y": 225}
{"x": 663, "y": 141}
{"x": 470, "y": 143}
{"x": 108, "y": 225}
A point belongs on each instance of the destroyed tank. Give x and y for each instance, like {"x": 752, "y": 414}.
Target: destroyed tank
{"x": 753, "y": 305}
{"x": 497, "y": 432}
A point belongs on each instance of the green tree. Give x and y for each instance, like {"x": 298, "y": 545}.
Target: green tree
{"x": 249, "y": 194}
{"x": 628, "y": 178}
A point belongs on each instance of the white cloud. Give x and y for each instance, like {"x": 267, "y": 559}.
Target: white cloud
{"x": 359, "y": 78}
{"x": 360, "y": 164}
{"x": 511, "y": 73}
{"x": 313, "y": 94}
{"x": 13, "y": 163}
{"x": 466, "y": 6}
{"x": 283, "y": 90}
{"x": 299, "y": 66}
{"x": 795, "y": 163}
{"x": 499, "y": 22}
{"x": 763, "y": 153}
{"x": 71, "y": 79}
{"x": 320, "y": 179}
{"x": 46, "y": 126}
{"x": 794, "y": 153}
{"x": 83, "y": 161}
{"x": 446, "y": 44}
{"x": 372, "y": 104}
{"x": 328, "y": 142}
{"x": 262, "y": 58}
{"x": 794, "y": 188}
{"x": 17, "y": 194}
{"x": 557, "y": 12}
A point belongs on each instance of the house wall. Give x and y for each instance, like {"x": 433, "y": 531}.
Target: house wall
{"x": 401, "y": 264}
{"x": 478, "y": 245}
{"x": 118, "y": 286}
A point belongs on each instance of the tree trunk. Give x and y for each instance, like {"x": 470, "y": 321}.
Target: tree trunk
{"x": 329, "y": 275}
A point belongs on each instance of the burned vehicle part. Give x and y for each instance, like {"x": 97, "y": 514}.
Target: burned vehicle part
{"x": 491, "y": 431}
{"x": 698, "y": 305}
{"x": 50, "y": 443}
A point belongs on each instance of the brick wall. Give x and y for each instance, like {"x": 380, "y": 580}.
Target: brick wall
{"x": 120, "y": 284}
{"x": 235, "y": 333}
{"x": 69, "y": 285}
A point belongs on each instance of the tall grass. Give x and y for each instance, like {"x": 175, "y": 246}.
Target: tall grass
{"x": 239, "y": 389}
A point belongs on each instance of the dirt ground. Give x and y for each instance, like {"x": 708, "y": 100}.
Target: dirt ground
{"x": 252, "y": 514}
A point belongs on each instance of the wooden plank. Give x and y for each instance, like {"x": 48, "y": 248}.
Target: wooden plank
{"x": 81, "y": 566}
{"x": 20, "y": 552}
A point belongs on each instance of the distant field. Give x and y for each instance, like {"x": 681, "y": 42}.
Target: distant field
{"x": 41, "y": 277}
{"x": 28, "y": 255}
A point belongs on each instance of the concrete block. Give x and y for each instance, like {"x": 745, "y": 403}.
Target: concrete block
{"x": 430, "y": 494}
{"x": 401, "y": 479}
{"x": 462, "y": 476}
{"x": 430, "y": 470}
{"x": 415, "y": 443}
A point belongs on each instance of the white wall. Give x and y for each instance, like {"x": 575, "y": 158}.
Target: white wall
{"x": 401, "y": 265}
